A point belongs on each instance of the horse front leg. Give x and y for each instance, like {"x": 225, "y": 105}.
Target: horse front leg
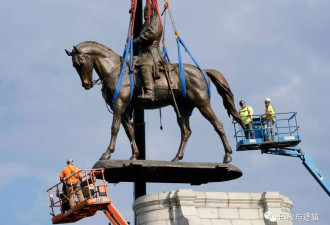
{"x": 185, "y": 134}
{"x": 208, "y": 113}
{"x": 126, "y": 121}
{"x": 116, "y": 120}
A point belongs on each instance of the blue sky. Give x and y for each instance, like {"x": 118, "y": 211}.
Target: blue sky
{"x": 278, "y": 49}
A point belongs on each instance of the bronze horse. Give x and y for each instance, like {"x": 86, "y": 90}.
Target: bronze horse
{"x": 91, "y": 55}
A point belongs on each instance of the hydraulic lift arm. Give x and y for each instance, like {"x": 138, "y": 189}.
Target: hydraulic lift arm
{"x": 307, "y": 162}
{"x": 114, "y": 216}
{"x": 311, "y": 167}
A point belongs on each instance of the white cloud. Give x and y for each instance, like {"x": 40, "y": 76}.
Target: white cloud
{"x": 10, "y": 171}
{"x": 36, "y": 212}
{"x": 289, "y": 91}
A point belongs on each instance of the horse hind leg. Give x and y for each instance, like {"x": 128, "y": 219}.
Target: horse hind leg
{"x": 185, "y": 134}
{"x": 208, "y": 113}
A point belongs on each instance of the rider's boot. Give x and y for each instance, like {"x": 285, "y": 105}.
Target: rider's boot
{"x": 150, "y": 94}
{"x": 148, "y": 83}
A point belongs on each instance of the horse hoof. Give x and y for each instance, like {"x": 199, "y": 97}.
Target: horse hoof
{"x": 176, "y": 159}
{"x": 227, "y": 158}
{"x": 133, "y": 157}
{"x": 105, "y": 156}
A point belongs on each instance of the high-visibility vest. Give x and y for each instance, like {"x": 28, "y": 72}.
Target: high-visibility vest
{"x": 271, "y": 115}
{"x": 68, "y": 171}
{"x": 244, "y": 112}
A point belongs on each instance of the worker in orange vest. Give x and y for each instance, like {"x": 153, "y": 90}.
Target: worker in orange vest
{"x": 72, "y": 178}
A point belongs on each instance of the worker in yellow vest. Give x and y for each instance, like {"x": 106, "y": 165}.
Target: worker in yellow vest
{"x": 246, "y": 113}
{"x": 270, "y": 120}
{"x": 71, "y": 178}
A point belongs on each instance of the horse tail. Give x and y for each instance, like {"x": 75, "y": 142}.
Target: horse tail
{"x": 227, "y": 96}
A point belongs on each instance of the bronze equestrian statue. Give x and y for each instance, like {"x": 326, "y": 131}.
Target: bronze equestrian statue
{"x": 87, "y": 56}
{"x": 156, "y": 83}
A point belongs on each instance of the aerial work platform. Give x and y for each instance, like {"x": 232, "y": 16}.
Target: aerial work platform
{"x": 259, "y": 143}
{"x": 194, "y": 173}
{"x": 95, "y": 198}
{"x": 285, "y": 128}
{"x": 285, "y": 143}
{"x": 87, "y": 208}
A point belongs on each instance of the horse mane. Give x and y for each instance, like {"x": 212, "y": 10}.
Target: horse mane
{"x": 95, "y": 48}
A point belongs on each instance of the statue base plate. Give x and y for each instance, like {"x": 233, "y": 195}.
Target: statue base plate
{"x": 194, "y": 173}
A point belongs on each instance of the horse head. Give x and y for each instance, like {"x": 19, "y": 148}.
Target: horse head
{"x": 83, "y": 63}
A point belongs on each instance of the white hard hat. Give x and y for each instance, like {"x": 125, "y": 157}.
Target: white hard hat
{"x": 267, "y": 100}
{"x": 69, "y": 161}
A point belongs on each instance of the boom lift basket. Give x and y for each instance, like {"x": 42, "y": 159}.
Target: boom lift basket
{"x": 95, "y": 198}
{"x": 286, "y": 129}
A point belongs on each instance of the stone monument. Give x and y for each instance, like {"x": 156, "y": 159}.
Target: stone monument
{"x": 185, "y": 206}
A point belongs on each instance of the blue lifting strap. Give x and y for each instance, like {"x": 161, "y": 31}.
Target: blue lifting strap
{"x": 181, "y": 68}
{"x": 128, "y": 48}
{"x": 165, "y": 54}
{"x": 181, "y": 71}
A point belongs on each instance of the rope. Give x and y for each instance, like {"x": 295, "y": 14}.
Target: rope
{"x": 171, "y": 17}
{"x": 163, "y": 41}
{"x": 133, "y": 12}
{"x": 128, "y": 49}
{"x": 181, "y": 67}
{"x": 181, "y": 71}
{"x": 196, "y": 63}
{"x": 149, "y": 10}
{"x": 164, "y": 49}
{"x": 158, "y": 12}
{"x": 155, "y": 3}
{"x": 165, "y": 54}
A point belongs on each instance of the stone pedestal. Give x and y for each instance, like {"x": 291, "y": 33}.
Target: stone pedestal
{"x": 185, "y": 206}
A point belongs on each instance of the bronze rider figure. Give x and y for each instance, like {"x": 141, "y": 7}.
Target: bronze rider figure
{"x": 150, "y": 56}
